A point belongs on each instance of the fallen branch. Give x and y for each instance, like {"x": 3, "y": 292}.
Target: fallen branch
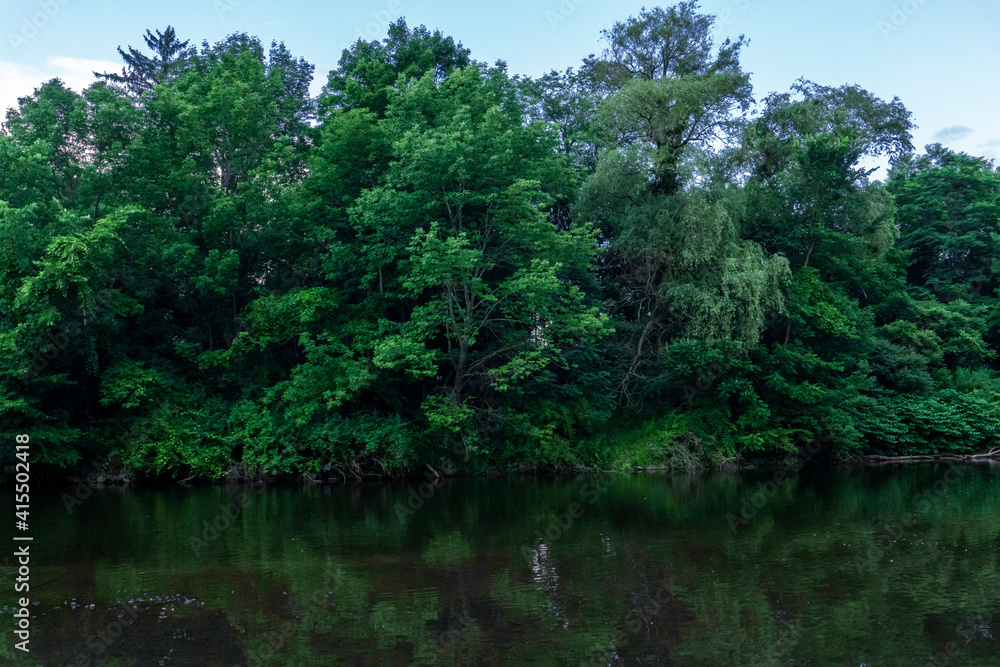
{"x": 923, "y": 458}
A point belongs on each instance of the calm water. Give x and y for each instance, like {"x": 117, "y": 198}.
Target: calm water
{"x": 846, "y": 567}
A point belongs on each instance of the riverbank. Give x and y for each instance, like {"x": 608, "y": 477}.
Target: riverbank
{"x": 371, "y": 471}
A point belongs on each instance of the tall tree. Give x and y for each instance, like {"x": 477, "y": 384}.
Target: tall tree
{"x": 368, "y": 71}
{"x": 673, "y": 263}
{"x": 141, "y": 72}
{"x": 672, "y": 90}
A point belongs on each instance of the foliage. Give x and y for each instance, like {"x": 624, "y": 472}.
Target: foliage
{"x": 204, "y": 271}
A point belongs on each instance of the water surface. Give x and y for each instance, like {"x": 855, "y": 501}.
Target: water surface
{"x": 888, "y": 566}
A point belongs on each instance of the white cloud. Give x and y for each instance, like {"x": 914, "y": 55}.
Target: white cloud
{"x": 22, "y": 80}
{"x": 81, "y": 67}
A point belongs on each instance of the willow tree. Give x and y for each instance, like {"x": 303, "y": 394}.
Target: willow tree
{"x": 674, "y": 264}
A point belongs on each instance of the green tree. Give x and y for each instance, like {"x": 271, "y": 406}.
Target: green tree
{"x": 673, "y": 264}
{"x": 949, "y": 218}
{"x": 368, "y": 71}
{"x": 468, "y": 282}
{"x": 142, "y": 73}
{"x": 54, "y": 119}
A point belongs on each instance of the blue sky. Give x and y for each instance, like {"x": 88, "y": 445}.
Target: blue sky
{"x": 942, "y": 58}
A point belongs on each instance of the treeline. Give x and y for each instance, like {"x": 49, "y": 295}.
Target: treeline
{"x": 206, "y": 271}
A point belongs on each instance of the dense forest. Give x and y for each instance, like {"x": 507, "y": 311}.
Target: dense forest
{"x": 207, "y": 272}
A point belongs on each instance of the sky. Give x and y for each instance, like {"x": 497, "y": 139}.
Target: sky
{"x": 940, "y": 57}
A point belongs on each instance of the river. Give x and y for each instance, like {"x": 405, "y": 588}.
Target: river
{"x": 897, "y": 565}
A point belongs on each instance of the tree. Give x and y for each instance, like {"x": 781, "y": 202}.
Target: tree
{"x": 672, "y": 92}
{"x": 450, "y": 296}
{"x": 53, "y": 120}
{"x": 949, "y": 218}
{"x": 565, "y": 100}
{"x": 368, "y": 71}
{"x": 142, "y": 73}
{"x": 874, "y": 127}
{"x": 663, "y": 43}
{"x": 812, "y": 201}
{"x": 204, "y": 271}
{"x": 673, "y": 262}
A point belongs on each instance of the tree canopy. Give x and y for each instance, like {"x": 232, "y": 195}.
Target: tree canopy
{"x": 206, "y": 271}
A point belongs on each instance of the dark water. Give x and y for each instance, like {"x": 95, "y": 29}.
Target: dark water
{"x": 845, "y": 567}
